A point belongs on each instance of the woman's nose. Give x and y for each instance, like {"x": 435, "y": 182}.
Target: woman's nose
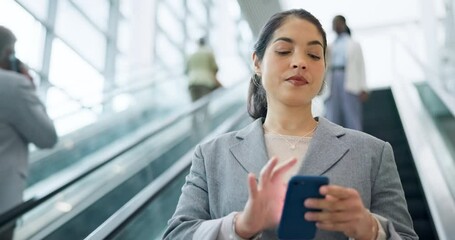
{"x": 299, "y": 62}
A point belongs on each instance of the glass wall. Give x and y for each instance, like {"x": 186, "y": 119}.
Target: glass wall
{"x": 81, "y": 52}
{"x": 64, "y": 43}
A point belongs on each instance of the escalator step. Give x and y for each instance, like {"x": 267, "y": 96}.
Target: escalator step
{"x": 412, "y": 190}
{"x": 417, "y": 209}
{"x": 424, "y": 230}
{"x": 408, "y": 175}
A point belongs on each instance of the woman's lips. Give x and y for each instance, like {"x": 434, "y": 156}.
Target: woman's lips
{"x": 297, "y": 80}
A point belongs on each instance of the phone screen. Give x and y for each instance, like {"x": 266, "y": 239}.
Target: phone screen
{"x": 293, "y": 224}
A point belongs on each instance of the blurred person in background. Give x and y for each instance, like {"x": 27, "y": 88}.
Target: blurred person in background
{"x": 23, "y": 120}
{"x": 346, "y": 78}
{"x": 201, "y": 69}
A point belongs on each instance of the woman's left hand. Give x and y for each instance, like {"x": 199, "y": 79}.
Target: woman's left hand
{"x": 343, "y": 211}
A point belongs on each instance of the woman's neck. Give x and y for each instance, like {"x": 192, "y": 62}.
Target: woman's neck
{"x": 297, "y": 122}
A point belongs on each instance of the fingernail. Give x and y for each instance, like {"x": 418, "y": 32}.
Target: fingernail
{"x": 323, "y": 190}
{"x": 308, "y": 203}
{"x": 309, "y": 216}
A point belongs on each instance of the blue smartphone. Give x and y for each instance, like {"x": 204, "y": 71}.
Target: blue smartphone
{"x": 293, "y": 224}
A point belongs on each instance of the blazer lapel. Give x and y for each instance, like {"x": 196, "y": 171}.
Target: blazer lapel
{"x": 325, "y": 149}
{"x": 251, "y": 152}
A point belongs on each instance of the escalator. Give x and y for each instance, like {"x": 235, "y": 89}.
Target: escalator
{"x": 381, "y": 119}
{"x": 86, "y": 141}
{"x": 81, "y": 207}
{"x": 110, "y": 125}
{"x": 146, "y": 215}
{"x": 180, "y": 140}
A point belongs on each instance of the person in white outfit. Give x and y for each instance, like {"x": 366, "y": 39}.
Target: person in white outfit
{"x": 345, "y": 78}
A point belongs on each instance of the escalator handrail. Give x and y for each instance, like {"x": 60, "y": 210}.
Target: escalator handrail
{"x": 133, "y": 207}
{"x": 429, "y": 154}
{"x": 62, "y": 145}
{"x": 11, "y": 216}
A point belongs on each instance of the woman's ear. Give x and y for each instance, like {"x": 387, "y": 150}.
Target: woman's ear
{"x": 257, "y": 64}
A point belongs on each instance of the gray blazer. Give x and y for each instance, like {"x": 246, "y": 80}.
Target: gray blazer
{"x": 217, "y": 183}
{"x": 23, "y": 120}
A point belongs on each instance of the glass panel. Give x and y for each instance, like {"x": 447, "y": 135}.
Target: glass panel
{"x": 168, "y": 54}
{"x": 86, "y": 40}
{"x": 234, "y": 9}
{"x": 198, "y": 10}
{"x": 123, "y": 35}
{"x": 125, "y": 8}
{"x": 122, "y": 69}
{"x": 97, "y": 11}
{"x": 245, "y": 31}
{"x": 29, "y": 33}
{"x": 195, "y": 31}
{"x": 178, "y": 7}
{"x": 170, "y": 24}
{"x": 37, "y": 7}
{"x": 72, "y": 74}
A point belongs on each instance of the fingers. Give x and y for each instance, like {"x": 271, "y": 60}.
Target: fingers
{"x": 331, "y": 226}
{"x": 266, "y": 171}
{"x": 333, "y": 217}
{"x": 339, "y": 192}
{"x": 352, "y": 226}
{"x": 253, "y": 189}
{"x": 337, "y": 198}
{"x": 283, "y": 168}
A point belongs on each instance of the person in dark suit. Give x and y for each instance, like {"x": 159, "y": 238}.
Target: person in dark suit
{"x": 23, "y": 120}
{"x": 237, "y": 181}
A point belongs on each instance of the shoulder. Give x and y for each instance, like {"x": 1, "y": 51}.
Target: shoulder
{"x": 221, "y": 142}
{"x": 353, "y": 138}
{"x": 359, "y": 137}
{"x": 354, "y": 44}
{"x": 224, "y": 142}
{"x": 11, "y": 82}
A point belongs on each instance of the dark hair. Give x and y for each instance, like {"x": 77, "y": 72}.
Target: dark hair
{"x": 202, "y": 41}
{"x": 343, "y": 19}
{"x": 257, "y": 100}
{"x": 6, "y": 38}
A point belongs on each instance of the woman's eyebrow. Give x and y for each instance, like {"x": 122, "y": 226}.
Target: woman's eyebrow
{"x": 315, "y": 42}
{"x": 289, "y": 40}
{"x": 286, "y": 39}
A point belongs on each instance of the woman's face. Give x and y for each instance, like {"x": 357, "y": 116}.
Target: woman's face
{"x": 292, "y": 68}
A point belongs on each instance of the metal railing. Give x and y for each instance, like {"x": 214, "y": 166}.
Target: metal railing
{"x": 148, "y": 194}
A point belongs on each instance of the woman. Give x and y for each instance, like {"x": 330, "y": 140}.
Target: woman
{"x": 221, "y": 198}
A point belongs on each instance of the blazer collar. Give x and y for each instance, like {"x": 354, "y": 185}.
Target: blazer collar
{"x": 251, "y": 151}
{"x": 324, "y": 151}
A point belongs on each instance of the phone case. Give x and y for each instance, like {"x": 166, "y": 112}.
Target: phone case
{"x": 293, "y": 224}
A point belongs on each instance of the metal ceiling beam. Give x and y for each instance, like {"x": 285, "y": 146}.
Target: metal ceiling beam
{"x": 257, "y": 12}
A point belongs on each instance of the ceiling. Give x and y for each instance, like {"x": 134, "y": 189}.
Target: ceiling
{"x": 360, "y": 15}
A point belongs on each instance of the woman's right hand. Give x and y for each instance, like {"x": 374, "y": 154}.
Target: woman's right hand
{"x": 266, "y": 199}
